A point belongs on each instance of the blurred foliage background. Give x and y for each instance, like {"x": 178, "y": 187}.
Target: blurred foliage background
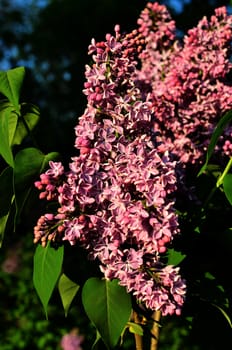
{"x": 50, "y": 38}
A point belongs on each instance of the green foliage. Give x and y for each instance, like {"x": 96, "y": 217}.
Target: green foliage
{"x": 174, "y": 257}
{"x": 17, "y": 120}
{"x": 22, "y": 321}
{"x": 27, "y": 120}
{"x": 15, "y": 126}
{"x": 8, "y": 123}
{"x": 135, "y": 328}
{"x": 224, "y": 121}
{"x": 227, "y": 186}
{"x": 108, "y": 306}
{"x": 47, "y": 269}
{"x": 11, "y": 83}
{"x": 7, "y": 197}
{"x": 29, "y": 163}
{"x": 68, "y": 290}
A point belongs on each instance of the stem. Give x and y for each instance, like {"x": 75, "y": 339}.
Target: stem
{"x": 218, "y": 183}
{"x": 227, "y": 168}
{"x": 209, "y": 197}
{"x": 155, "y": 330}
{"x": 138, "y": 338}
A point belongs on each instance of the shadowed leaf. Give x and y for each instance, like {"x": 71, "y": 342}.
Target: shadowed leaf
{"x": 108, "y": 306}
{"x": 47, "y": 268}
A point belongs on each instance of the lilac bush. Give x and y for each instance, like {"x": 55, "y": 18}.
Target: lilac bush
{"x": 153, "y": 102}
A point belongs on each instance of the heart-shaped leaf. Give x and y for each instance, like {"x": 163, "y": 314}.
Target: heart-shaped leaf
{"x": 47, "y": 268}
{"x": 108, "y": 306}
{"x": 10, "y": 84}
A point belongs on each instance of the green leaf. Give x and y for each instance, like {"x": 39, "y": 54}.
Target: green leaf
{"x": 6, "y": 198}
{"x": 174, "y": 257}
{"x": 214, "y": 138}
{"x": 227, "y": 186}
{"x": 108, "y": 306}
{"x": 26, "y": 122}
{"x": 135, "y": 328}
{"x": 97, "y": 339}
{"x": 8, "y": 123}
{"x": 227, "y": 317}
{"x": 67, "y": 289}
{"x": 47, "y": 268}
{"x": 29, "y": 163}
{"x": 10, "y": 84}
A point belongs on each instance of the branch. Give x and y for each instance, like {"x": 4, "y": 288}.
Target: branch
{"x": 155, "y": 330}
{"x": 138, "y": 338}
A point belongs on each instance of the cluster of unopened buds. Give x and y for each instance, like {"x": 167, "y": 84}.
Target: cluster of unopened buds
{"x": 117, "y": 199}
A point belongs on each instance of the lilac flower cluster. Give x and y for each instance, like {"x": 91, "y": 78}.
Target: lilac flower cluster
{"x": 188, "y": 81}
{"x": 117, "y": 199}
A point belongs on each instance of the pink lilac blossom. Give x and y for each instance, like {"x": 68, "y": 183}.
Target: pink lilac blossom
{"x": 12, "y": 262}
{"x": 188, "y": 82}
{"x": 117, "y": 199}
{"x": 72, "y": 341}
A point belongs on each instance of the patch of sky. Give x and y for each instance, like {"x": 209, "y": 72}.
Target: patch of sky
{"x": 30, "y": 10}
{"x": 66, "y": 76}
{"x": 229, "y": 9}
{"x": 9, "y": 53}
{"x": 178, "y": 5}
{"x": 25, "y": 3}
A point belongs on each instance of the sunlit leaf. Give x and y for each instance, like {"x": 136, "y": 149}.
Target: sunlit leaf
{"x": 97, "y": 339}
{"x": 224, "y": 313}
{"x": 6, "y": 198}
{"x": 227, "y": 186}
{"x": 135, "y": 328}
{"x": 27, "y": 120}
{"x": 47, "y": 268}
{"x": 67, "y": 289}
{"x": 174, "y": 257}
{"x": 8, "y": 123}
{"x": 214, "y": 138}
{"x": 108, "y": 306}
{"x": 11, "y": 83}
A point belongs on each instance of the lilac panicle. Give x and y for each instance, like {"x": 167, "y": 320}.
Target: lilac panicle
{"x": 188, "y": 81}
{"x": 117, "y": 199}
